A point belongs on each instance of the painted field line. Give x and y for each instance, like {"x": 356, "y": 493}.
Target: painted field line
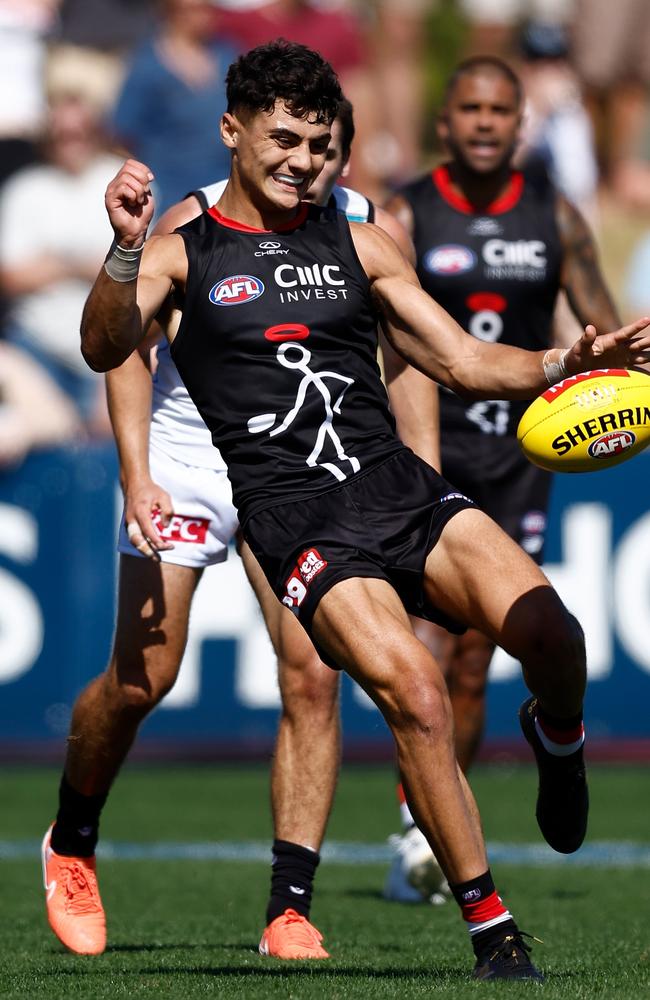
{"x": 612, "y": 854}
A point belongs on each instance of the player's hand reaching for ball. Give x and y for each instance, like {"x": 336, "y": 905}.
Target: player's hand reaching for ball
{"x": 623, "y": 348}
{"x": 129, "y": 203}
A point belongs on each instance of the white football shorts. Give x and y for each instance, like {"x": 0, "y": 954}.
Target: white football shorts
{"x": 204, "y": 520}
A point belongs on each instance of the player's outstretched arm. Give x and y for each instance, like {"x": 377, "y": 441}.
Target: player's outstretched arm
{"x": 624, "y": 348}
{"x": 423, "y": 333}
{"x": 136, "y": 278}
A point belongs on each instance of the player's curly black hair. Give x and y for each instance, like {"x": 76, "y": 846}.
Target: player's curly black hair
{"x": 345, "y": 116}
{"x": 285, "y": 71}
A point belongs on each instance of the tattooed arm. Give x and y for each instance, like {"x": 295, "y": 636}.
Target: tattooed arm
{"x": 581, "y": 277}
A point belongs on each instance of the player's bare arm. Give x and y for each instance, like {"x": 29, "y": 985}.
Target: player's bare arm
{"x": 423, "y": 333}
{"x": 178, "y": 215}
{"x": 413, "y": 396}
{"x": 397, "y": 232}
{"x": 129, "y": 403}
{"x": 118, "y": 312}
{"x": 414, "y": 403}
{"x": 398, "y": 208}
{"x": 129, "y": 400}
{"x": 581, "y": 277}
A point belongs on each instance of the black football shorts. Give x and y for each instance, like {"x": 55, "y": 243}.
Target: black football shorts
{"x": 382, "y": 524}
{"x": 496, "y": 474}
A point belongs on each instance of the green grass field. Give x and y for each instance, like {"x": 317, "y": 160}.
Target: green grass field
{"x": 189, "y": 928}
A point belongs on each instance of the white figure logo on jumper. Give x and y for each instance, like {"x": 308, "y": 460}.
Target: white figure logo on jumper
{"x": 266, "y": 421}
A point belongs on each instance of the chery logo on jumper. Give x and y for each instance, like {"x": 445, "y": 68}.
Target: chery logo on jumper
{"x": 270, "y": 247}
{"x": 182, "y": 528}
{"x": 236, "y": 290}
{"x": 450, "y": 259}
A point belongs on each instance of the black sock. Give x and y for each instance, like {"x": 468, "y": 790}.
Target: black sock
{"x": 292, "y": 875}
{"x": 76, "y": 829}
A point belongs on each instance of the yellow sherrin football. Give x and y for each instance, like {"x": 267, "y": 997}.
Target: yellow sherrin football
{"x": 588, "y": 422}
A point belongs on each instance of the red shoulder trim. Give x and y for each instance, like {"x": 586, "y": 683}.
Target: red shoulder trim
{"x": 504, "y": 203}
{"x": 223, "y": 220}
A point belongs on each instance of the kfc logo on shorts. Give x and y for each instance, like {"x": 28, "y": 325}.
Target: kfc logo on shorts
{"x": 182, "y": 528}
{"x": 450, "y": 259}
{"x": 308, "y": 565}
{"x": 236, "y": 290}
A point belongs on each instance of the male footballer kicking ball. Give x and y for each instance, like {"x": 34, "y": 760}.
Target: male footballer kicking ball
{"x": 351, "y": 529}
{"x": 171, "y": 472}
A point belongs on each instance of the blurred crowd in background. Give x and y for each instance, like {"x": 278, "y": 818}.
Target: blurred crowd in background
{"x": 85, "y": 82}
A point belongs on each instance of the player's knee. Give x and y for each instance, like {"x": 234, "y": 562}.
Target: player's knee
{"x": 570, "y": 642}
{"x": 134, "y": 698}
{"x": 308, "y": 687}
{"x": 556, "y": 639}
{"x": 136, "y": 688}
{"x": 469, "y": 681}
{"x": 469, "y": 670}
{"x": 419, "y": 703}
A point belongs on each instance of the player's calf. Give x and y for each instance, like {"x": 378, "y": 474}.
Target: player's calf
{"x": 563, "y": 797}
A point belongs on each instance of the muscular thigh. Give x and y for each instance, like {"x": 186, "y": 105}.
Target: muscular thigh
{"x": 479, "y": 575}
{"x": 363, "y": 626}
{"x": 154, "y": 601}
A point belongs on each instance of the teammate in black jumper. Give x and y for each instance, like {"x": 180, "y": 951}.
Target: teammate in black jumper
{"x": 339, "y": 513}
{"x": 494, "y": 248}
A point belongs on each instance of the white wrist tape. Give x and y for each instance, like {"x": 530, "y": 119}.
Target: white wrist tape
{"x": 554, "y": 366}
{"x": 123, "y": 263}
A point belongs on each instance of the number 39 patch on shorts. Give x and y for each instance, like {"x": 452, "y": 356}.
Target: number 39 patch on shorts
{"x": 308, "y": 565}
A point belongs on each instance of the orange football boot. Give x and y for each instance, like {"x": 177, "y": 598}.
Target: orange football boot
{"x": 74, "y": 907}
{"x": 292, "y": 936}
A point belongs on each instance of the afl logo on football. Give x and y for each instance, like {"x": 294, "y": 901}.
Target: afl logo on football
{"x": 450, "y": 259}
{"x": 611, "y": 444}
{"x": 236, "y": 290}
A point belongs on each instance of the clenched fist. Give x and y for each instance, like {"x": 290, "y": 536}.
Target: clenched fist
{"x": 129, "y": 203}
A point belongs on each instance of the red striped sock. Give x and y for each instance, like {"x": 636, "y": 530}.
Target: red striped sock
{"x": 480, "y": 904}
{"x": 560, "y": 737}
